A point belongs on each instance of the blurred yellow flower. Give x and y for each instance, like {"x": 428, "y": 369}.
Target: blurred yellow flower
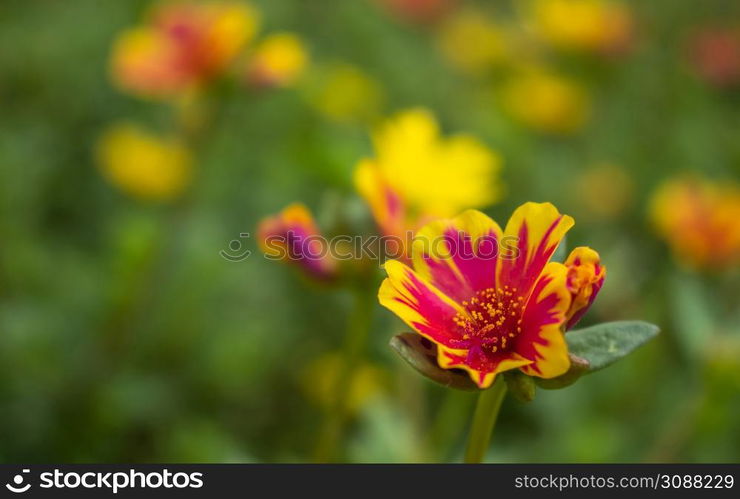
{"x": 474, "y": 43}
{"x": 345, "y": 93}
{"x": 322, "y": 376}
{"x": 546, "y": 102}
{"x": 182, "y": 45}
{"x": 417, "y": 174}
{"x": 279, "y": 60}
{"x": 144, "y": 165}
{"x": 593, "y": 25}
{"x": 700, "y": 221}
{"x": 603, "y": 191}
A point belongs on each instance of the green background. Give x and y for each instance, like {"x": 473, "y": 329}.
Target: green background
{"x": 125, "y": 336}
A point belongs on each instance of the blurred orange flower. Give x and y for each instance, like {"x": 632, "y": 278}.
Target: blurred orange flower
{"x": 182, "y": 45}
{"x": 591, "y": 25}
{"x": 700, "y": 221}
{"x": 278, "y": 61}
{"x": 545, "y": 101}
{"x": 144, "y": 165}
{"x": 417, "y": 174}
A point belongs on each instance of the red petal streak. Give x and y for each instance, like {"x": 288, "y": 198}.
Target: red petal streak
{"x": 541, "y": 339}
{"x": 522, "y": 271}
{"x": 420, "y": 305}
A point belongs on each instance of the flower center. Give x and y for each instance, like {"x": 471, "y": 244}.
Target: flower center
{"x": 493, "y": 316}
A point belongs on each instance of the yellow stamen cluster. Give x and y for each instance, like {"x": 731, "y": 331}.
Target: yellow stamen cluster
{"x": 493, "y": 316}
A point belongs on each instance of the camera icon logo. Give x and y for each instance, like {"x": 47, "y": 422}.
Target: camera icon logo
{"x": 17, "y": 485}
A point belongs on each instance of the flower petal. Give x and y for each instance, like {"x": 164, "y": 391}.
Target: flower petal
{"x": 536, "y": 230}
{"x": 385, "y": 204}
{"x": 420, "y": 304}
{"x": 542, "y": 339}
{"x": 459, "y": 255}
{"x": 481, "y": 368}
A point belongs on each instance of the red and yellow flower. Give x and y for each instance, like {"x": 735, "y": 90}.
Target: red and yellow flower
{"x": 490, "y": 299}
{"x": 183, "y": 45}
{"x": 293, "y": 237}
{"x": 417, "y": 175}
{"x": 700, "y": 220}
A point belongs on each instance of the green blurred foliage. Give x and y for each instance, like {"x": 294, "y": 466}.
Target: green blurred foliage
{"x": 125, "y": 336}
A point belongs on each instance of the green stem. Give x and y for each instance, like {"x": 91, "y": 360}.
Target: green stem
{"x": 354, "y": 344}
{"x": 484, "y": 419}
{"x": 450, "y": 421}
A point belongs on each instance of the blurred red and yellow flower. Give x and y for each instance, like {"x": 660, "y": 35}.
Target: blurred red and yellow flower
{"x": 487, "y": 310}
{"x": 715, "y": 54}
{"x": 417, "y": 174}
{"x": 292, "y": 236}
{"x": 183, "y": 45}
{"x": 592, "y": 25}
{"x": 144, "y": 165}
{"x": 700, "y": 221}
{"x": 277, "y": 61}
{"x": 545, "y": 101}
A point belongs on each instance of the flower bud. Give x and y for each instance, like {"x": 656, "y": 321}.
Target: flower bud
{"x": 292, "y": 236}
{"x": 585, "y": 278}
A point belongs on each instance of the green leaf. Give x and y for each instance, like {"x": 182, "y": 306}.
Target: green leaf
{"x": 596, "y": 347}
{"x": 606, "y": 343}
{"x": 421, "y": 354}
